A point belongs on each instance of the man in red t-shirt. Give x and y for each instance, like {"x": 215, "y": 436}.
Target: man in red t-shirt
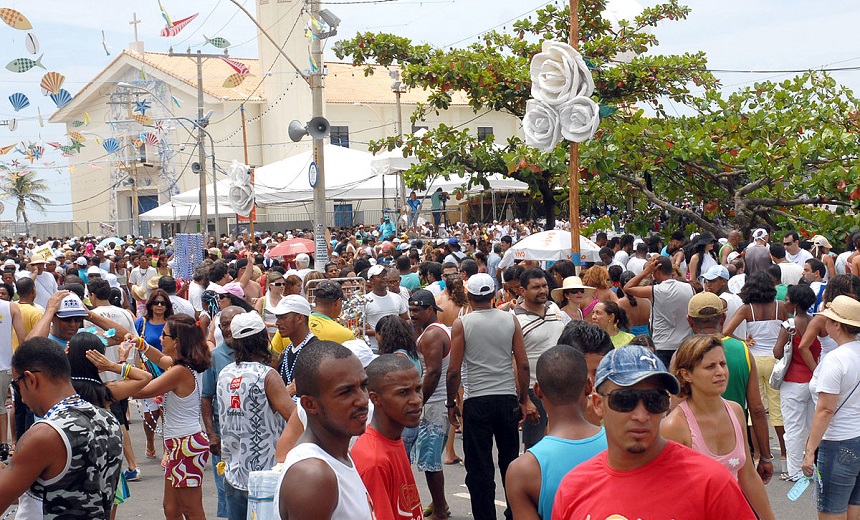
{"x": 669, "y": 480}
{"x": 394, "y": 386}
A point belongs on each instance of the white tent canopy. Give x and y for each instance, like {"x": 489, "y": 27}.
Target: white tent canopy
{"x": 553, "y": 245}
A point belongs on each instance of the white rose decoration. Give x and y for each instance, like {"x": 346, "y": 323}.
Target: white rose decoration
{"x": 579, "y": 119}
{"x": 541, "y": 125}
{"x": 559, "y": 74}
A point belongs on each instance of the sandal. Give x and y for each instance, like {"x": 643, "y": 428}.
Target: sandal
{"x": 428, "y": 512}
{"x": 457, "y": 460}
{"x": 784, "y": 476}
{"x": 150, "y": 453}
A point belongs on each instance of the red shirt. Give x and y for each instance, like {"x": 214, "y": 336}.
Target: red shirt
{"x": 797, "y": 371}
{"x": 678, "y": 484}
{"x": 387, "y": 475}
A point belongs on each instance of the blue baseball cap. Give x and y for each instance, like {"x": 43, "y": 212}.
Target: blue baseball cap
{"x": 626, "y": 366}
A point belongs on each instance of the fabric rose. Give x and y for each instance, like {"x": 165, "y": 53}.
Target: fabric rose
{"x": 579, "y": 119}
{"x": 541, "y": 125}
{"x": 559, "y": 74}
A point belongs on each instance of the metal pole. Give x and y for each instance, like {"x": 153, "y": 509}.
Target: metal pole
{"x": 316, "y": 81}
{"x": 574, "y": 154}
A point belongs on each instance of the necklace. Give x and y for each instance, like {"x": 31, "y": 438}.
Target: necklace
{"x": 72, "y": 401}
{"x": 287, "y": 367}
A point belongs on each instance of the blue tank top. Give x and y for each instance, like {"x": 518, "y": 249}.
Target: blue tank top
{"x": 640, "y": 329}
{"x": 557, "y": 457}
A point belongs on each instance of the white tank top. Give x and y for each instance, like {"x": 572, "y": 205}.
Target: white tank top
{"x": 5, "y": 336}
{"x": 182, "y": 414}
{"x": 353, "y": 501}
{"x": 440, "y": 394}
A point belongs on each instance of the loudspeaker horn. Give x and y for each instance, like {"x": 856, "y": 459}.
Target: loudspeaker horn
{"x": 296, "y": 131}
{"x": 318, "y": 127}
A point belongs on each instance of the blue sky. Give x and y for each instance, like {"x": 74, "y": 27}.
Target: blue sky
{"x": 736, "y": 34}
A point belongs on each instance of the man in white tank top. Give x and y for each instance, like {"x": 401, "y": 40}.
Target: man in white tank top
{"x": 333, "y": 387}
{"x": 434, "y": 344}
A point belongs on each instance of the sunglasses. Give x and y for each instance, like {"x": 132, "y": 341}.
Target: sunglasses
{"x": 574, "y": 291}
{"x": 787, "y": 243}
{"x": 14, "y": 383}
{"x": 278, "y": 284}
{"x": 159, "y": 303}
{"x": 165, "y": 334}
{"x": 626, "y": 400}
{"x": 71, "y": 319}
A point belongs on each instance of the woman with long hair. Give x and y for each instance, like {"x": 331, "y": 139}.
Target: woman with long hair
{"x": 638, "y": 309}
{"x": 293, "y": 285}
{"x": 794, "y": 395}
{"x": 709, "y": 424}
{"x": 841, "y": 284}
{"x": 702, "y": 258}
{"x": 185, "y": 354}
{"x": 597, "y": 276}
{"x": 161, "y": 266}
{"x": 275, "y": 291}
{"x": 149, "y": 327}
{"x": 764, "y": 316}
{"x": 836, "y": 422}
{"x": 610, "y": 317}
{"x": 87, "y": 359}
{"x": 821, "y": 250}
{"x": 570, "y": 296}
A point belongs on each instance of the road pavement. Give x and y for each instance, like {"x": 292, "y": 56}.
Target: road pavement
{"x": 147, "y": 493}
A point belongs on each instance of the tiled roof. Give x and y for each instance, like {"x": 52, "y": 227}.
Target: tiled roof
{"x": 215, "y": 71}
{"x": 348, "y": 84}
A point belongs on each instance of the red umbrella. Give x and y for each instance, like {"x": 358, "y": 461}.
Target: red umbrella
{"x": 293, "y": 247}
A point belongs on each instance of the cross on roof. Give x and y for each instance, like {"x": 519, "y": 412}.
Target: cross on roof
{"x": 134, "y": 22}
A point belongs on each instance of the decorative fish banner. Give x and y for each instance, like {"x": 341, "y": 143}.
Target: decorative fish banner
{"x": 239, "y": 67}
{"x": 217, "y": 41}
{"x": 15, "y": 20}
{"x": 53, "y": 144}
{"x": 233, "y": 80}
{"x": 24, "y": 64}
{"x": 77, "y": 136}
{"x": 67, "y": 150}
{"x": 138, "y": 142}
{"x": 173, "y": 30}
{"x": 77, "y": 123}
{"x": 142, "y": 119}
{"x": 6, "y": 149}
{"x": 111, "y": 145}
{"x": 62, "y": 98}
{"x": 19, "y": 101}
{"x": 141, "y": 107}
{"x": 52, "y": 82}
{"x": 32, "y": 44}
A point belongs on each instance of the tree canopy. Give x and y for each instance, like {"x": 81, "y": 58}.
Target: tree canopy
{"x": 770, "y": 153}
{"x": 24, "y": 188}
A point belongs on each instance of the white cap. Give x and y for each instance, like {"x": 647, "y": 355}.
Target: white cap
{"x": 375, "y": 270}
{"x": 759, "y": 234}
{"x": 72, "y": 306}
{"x": 81, "y": 260}
{"x": 480, "y": 284}
{"x": 292, "y": 303}
{"x": 361, "y": 350}
{"x": 246, "y": 324}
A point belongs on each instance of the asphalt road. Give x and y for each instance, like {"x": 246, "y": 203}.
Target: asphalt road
{"x": 147, "y": 493}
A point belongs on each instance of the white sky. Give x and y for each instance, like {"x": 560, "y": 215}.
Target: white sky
{"x": 735, "y": 34}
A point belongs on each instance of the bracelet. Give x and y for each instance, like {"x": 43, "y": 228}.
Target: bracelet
{"x": 126, "y": 368}
{"x": 449, "y": 406}
{"x": 141, "y": 345}
{"x": 765, "y": 459}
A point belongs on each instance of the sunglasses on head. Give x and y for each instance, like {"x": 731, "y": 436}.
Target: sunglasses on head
{"x": 625, "y": 400}
{"x": 159, "y": 303}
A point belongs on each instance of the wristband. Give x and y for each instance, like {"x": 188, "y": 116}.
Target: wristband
{"x": 126, "y": 368}
{"x": 449, "y": 406}
{"x": 766, "y": 459}
{"x": 141, "y": 345}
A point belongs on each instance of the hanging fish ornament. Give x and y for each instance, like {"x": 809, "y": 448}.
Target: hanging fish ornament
{"x": 77, "y": 136}
{"x": 151, "y": 139}
{"x": 62, "y": 98}
{"x": 111, "y": 144}
{"x": 15, "y": 20}
{"x": 32, "y": 44}
{"x": 67, "y": 150}
{"x": 233, "y": 80}
{"x": 52, "y": 82}
{"x": 77, "y": 123}
{"x": 6, "y": 149}
{"x": 142, "y": 119}
{"x": 138, "y": 143}
{"x": 24, "y": 64}
{"x": 217, "y": 41}
{"x": 173, "y": 30}
{"x": 238, "y": 66}
{"x": 19, "y": 101}
{"x": 53, "y": 144}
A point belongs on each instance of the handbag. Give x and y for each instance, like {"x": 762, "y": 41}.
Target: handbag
{"x": 781, "y": 366}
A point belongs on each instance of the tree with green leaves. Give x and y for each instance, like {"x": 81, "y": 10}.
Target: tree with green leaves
{"x": 24, "y": 188}
{"x": 769, "y": 154}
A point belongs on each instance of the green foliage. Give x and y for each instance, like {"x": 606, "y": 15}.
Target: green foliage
{"x": 770, "y": 153}
{"x": 24, "y": 188}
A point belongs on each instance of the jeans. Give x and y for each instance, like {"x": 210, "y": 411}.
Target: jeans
{"x": 797, "y": 411}
{"x": 437, "y": 217}
{"x": 219, "y": 485}
{"x": 486, "y": 418}
{"x": 839, "y": 464}
{"x": 237, "y": 502}
{"x": 409, "y": 436}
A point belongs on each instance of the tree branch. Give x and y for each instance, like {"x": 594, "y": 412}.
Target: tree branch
{"x": 776, "y": 201}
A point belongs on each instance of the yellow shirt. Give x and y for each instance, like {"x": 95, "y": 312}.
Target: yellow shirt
{"x": 31, "y": 315}
{"x": 322, "y": 327}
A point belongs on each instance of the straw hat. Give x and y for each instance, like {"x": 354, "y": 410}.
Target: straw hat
{"x": 843, "y": 309}
{"x": 152, "y": 283}
{"x": 571, "y": 282}
{"x": 139, "y": 292}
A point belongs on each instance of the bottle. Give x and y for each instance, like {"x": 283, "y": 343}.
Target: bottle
{"x": 798, "y": 489}
{"x": 262, "y": 486}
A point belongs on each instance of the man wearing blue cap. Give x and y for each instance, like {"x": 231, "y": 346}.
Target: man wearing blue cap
{"x": 387, "y": 228}
{"x": 632, "y": 397}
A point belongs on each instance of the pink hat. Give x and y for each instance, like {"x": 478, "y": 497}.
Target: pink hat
{"x": 232, "y": 288}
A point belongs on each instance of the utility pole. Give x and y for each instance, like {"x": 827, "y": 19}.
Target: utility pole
{"x": 201, "y": 152}
{"x": 573, "y": 200}
{"x": 316, "y": 81}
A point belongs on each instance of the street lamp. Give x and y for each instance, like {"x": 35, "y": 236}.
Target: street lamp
{"x": 200, "y": 126}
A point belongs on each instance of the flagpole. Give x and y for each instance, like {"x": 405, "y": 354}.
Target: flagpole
{"x": 573, "y": 201}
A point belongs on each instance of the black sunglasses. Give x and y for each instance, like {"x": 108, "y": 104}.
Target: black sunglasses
{"x": 278, "y": 284}
{"x": 159, "y": 303}
{"x": 626, "y": 400}
{"x": 71, "y": 319}
{"x": 171, "y": 336}
{"x": 14, "y": 382}
{"x": 574, "y": 291}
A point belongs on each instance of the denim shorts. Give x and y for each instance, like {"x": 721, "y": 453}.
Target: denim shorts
{"x": 839, "y": 464}
{"x": 432, "y": 436}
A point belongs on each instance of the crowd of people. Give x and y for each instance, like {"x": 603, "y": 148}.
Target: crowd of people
{"x": 662, "y": 364}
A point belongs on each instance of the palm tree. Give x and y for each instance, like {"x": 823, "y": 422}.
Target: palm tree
{"x": 24, "y": 187}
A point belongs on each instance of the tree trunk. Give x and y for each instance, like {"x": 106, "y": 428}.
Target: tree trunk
{"x": 547, "y": 200}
